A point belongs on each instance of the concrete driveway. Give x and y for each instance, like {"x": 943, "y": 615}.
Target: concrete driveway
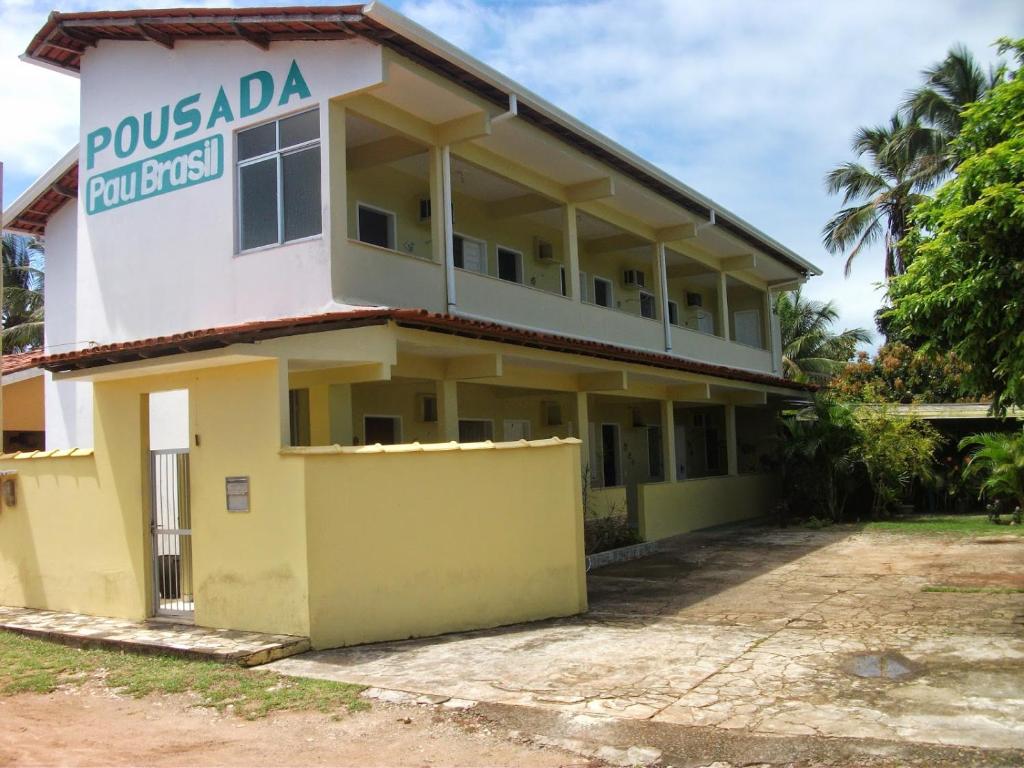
{"x": 758, "y": 631}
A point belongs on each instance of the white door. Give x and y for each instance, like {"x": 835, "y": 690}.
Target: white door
{"x": 748, "y": 327}
{"x": 517, "y": 429}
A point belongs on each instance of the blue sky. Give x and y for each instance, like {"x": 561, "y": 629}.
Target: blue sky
{"x": 749, "y": 102}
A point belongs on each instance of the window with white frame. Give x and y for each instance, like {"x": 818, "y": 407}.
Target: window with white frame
{"x": 470, "y": 254}
{"x": 510, "y": 265}
{"x": 279, "y": 181}
{"x": 375, "y": 226}
{"x": 602, "y": 292}
{"x": 673, "y": 312}
{"x": 562, "y": 281}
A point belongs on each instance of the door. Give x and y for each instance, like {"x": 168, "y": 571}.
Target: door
{"x": 475, "y": 430}
{"x": 610, "y": 454}
{"x": 171, "y": 529}
{"x": 381, "y": 429}
{"x": 517, "y": 429}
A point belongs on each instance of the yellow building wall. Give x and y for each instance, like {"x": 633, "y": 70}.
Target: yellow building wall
{"x": 79, "y": 539}
{"x": 73, "y": 541}
{"x": 467, "y": 539}
{"x": 668, "y": 509}
{"x": 23, "y": 405}
{"x": 606, "y": 502}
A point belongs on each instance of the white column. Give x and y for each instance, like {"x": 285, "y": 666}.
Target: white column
{"x": 449, "y": 228}
{"x": 723, "y": 305}
{"x": 668, "y": 439}
{"x": 572, "y": 251}
{"x": 661, "y": 284}
{"x": 732, "y": 459}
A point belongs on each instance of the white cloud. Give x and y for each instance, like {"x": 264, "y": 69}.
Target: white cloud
{"x": 748, "y": 102}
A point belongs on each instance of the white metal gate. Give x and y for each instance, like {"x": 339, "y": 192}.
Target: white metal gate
{"x": 171, "y": 528}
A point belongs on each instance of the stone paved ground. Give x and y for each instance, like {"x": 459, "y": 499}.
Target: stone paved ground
{"x": 186, "y": 640}
{"x": 756, "y": 632}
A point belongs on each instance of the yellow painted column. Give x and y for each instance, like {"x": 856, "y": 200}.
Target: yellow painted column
{"x": 437, "y": 238}
{"x": 319, "y": 415}
{"x": 583, "y": 431}
{"x": 732, "y": 458}
{"x": 668, "y": 439}
{"x": 723, "y": 306}
{"x": 447, "y": 410}
{"x": 284, "y": 405}
{"x": 572, "y": 252}
{"x": 339, "y": 397}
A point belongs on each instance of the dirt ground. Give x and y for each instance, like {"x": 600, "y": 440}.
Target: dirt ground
{"x": 91, "y": 726}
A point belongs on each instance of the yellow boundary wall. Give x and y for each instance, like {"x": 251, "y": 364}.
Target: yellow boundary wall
{"x": 668, "y": 509}
{"x": 345, "y": 545}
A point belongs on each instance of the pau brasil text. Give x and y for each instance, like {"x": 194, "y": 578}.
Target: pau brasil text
{"x": 169, "y": 171}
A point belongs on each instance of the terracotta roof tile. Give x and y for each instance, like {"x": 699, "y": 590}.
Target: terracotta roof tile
{"x": 20, "y": 361}
{"x": 212, "y": 338}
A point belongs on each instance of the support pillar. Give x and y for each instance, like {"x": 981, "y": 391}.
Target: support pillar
{"x": 572, "y": 252}
{"x": 339, "y": 397}
{"x": 668, "y": 440}
{"x": 661, "y": 292}
{"x": 732, "y": 457}
{"x": 583, "y": 433}
{"x": 449, "y": 227}
{"x": 723, "y": 305}
{"x": 283, "y": 402}
{"x": 447, "y": 410}
{"x": 319, "y": 415}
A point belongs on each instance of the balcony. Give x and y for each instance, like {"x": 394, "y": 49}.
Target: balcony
{"x": 514, "y": 248}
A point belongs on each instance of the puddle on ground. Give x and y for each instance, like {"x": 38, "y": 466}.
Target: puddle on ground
{"x": 887, "y": 666}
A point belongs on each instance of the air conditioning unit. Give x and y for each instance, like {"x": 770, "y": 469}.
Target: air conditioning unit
{"x": 543, "y": 250}
{"x": 634, "y": 278}
{"x": 425, "y": 209}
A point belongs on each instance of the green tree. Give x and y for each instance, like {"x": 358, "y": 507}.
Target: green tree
{"x": 890, "y": 176}
{"x": 811, "y": 350}
{"x": 895, "y": 451}
{"x": 964, "y": 290}
{"x": 949, "y": 86}
{"x": 23, "y": 294}
{"x": 819, "y": 458}
{"x": 999, "y": 458}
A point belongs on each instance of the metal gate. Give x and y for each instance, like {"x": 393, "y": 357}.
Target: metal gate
{"x": 171, "y": 528}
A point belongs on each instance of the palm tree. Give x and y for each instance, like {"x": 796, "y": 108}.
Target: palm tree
{"x": 1000, "y": 457}
{"x": 22, "y": 313}
{"x": 949, "y": 86}
{"x": 811, "y": 351}
{"x": 880, "y": 193}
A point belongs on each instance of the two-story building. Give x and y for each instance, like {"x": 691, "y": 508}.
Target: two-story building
{"x": 425, "y": 251}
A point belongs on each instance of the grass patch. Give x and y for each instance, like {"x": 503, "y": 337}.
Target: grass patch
{"x": 963, "y": 525}
{"x": 38, "y": 666}
{"x": 974, "y": 590}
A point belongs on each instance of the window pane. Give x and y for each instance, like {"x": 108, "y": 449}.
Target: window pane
{"x": 257, "y": 141}
{"x": 457, "y": 242}
{"x": 508, "y": 266}
{"x": 300, "y": 128}
{"x": 647, "y": 305}
{"x": 374, "y": 227}
{"x": 301, "y": 172}
{"x": 673, "y": 313}
{"x": 602, "y": 293}
{"x": 257, "y": 190}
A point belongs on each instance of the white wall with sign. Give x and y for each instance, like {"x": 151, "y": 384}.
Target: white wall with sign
{"x": 156, "y": 231}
